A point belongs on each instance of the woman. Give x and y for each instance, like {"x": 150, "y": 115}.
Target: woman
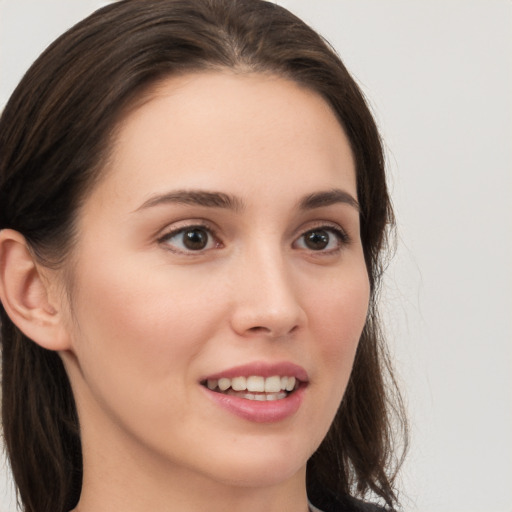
{"x": 194, "y": 211}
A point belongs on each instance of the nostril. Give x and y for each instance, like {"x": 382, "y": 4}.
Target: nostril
{"x": 259, "y": 329}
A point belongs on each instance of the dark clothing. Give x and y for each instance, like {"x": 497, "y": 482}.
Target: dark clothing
{"x": 329, "y": 503}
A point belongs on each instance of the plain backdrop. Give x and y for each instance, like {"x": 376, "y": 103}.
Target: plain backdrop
{"x": 438, "y": 75}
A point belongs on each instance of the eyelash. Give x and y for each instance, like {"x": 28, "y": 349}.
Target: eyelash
{"x": 341, "y": 236}
{"x": 182, "y": 230}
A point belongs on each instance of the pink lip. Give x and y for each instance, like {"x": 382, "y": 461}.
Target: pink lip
{"x": 263, "y": 369}
{"x": 255, "y": 411}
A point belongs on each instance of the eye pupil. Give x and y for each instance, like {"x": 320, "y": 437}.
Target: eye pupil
{"x": 316, "y": 240}
{"x": 195, "y": 239}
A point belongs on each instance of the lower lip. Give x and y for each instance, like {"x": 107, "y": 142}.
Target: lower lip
{"x": 271, "y": 411}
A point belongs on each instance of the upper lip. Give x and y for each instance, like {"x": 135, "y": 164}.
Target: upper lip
{"x": 263, "y": 369}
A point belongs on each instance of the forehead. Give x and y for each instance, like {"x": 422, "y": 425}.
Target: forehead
{"x": 220, "y": 129}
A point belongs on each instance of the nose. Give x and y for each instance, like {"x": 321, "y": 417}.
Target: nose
{"x": 266, "y": 298}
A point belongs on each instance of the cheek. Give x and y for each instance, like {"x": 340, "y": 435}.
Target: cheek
{"x": 341, "y": 312}
{"x": 338, "y": 320}
{"x": 337, "y": 317}
{"x": 150, "y": 324}
{"x": 135, "y": 344}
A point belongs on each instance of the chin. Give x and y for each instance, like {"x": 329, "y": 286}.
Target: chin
{"x": 262, "y": 468}
{"x": 261, "y": 475}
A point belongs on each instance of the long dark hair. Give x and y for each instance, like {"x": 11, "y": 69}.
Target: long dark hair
{"x": 55, "y": 133}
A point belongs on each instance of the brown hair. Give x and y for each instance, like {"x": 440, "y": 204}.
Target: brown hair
{"x": 55, "y": 133}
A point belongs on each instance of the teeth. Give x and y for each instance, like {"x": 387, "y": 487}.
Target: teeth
{"x": 260, "y": 397}
{"x": 224, "y": 384}
{"x": 276, "y": 396}
{"x": 273, "y": 385}
{"x": 239, "y": 383}
{"x": 291, "y": 384}
{"x": 255, "y": 383}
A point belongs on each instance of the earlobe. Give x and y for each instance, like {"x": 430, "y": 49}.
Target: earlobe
{"x": 25, "y": 294}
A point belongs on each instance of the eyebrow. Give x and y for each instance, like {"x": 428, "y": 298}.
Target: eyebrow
{"x": 197, "y": 198}
{"x": 222, "y": 200}
{"x": 328, "y": 198}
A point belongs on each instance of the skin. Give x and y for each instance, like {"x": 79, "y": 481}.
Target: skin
{"x": 149, "y": 319}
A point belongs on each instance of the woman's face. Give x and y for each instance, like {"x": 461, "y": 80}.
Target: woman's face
{"x": 221, "y": 249}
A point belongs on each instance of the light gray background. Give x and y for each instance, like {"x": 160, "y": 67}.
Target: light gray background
{"x": 438, "y": 75}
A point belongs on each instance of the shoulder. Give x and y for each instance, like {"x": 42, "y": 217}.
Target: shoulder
{"x": 346, "y": 504}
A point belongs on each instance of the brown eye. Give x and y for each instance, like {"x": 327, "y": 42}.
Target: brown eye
{"x": 195, "y": 239}
{"x": 325, "y": 239}
{"x": 190, "y": 239}
{"x": 317, "y": 240}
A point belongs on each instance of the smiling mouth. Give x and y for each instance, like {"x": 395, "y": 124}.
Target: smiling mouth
{"x": 254, "y": 387}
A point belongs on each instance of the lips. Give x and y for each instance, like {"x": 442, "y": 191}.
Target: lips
{"x": 259, "y": 392}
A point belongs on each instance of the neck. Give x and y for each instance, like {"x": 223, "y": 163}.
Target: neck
{"x": 117, "y": 477}
{"x": 178, "y": 492}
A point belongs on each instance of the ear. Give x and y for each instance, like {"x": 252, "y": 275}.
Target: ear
{"x": 24, "y": 292}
